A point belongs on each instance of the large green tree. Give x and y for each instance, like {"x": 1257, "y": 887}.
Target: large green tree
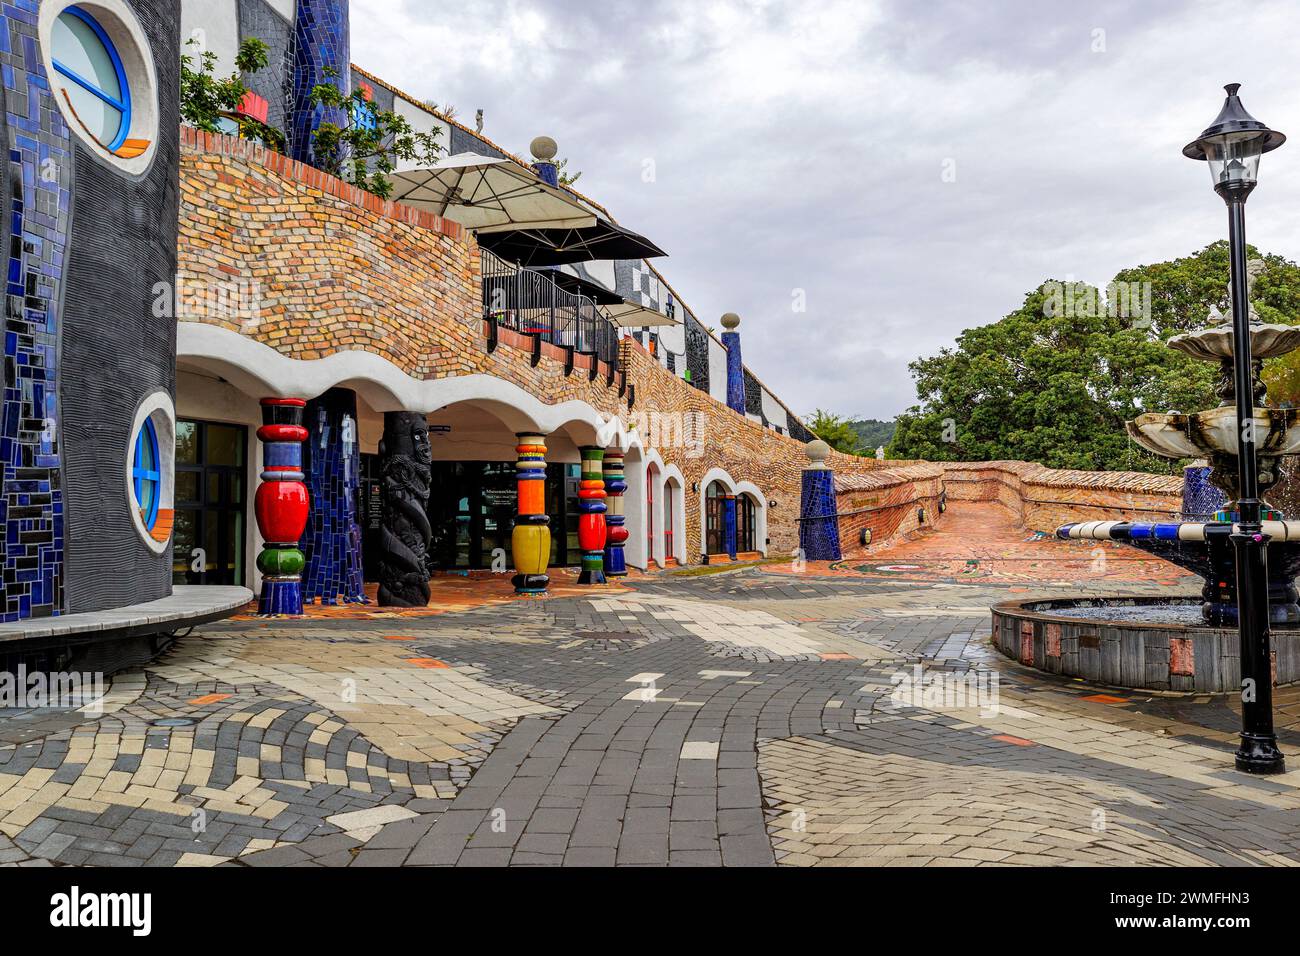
{"x": 1054, "y": 381}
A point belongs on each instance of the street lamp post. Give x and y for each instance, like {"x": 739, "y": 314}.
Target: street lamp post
{"x": 1232, "y": 145}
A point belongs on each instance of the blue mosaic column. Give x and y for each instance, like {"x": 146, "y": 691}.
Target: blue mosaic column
{"x": 819, "y": 527}
{"x": 1200, "y": 498}
{"x": 729, "y": 524}
{"x": 735, "y": 365}
{"x": 322, "y": 42}
{"x": 39, "y": 172}
{"x": 332, "y": 462}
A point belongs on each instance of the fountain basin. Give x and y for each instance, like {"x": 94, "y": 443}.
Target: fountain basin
{"x": 1206, "y": 549}
{"x": 1214, "y": 433}
{"x": 1133, "y": 646}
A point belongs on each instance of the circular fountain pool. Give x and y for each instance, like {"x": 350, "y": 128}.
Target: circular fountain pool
{"x": 1156, "y": 643}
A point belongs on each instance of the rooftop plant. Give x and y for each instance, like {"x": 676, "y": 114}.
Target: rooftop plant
{"x": 370, "y": 141}
{"x": 207, "y": 100}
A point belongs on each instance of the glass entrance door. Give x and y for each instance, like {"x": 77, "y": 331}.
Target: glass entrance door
{"x": 211, "y": 479}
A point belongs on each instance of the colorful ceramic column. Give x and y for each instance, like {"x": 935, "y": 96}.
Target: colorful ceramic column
{"x": 530, "y": 542}
{"x": 332, "y": 463}
{"x": 615, "y": 519}
{"x": 322, "y": 43}
{"x": 735, "y": 365}
{"x": 729, "y": 524}
{"x": 819, "y": 528}
{"x": 281, "y": 506}
{"x": 591, "y": 523}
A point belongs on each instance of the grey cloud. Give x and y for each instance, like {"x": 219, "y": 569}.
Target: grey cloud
{"x": 801, "y": 145}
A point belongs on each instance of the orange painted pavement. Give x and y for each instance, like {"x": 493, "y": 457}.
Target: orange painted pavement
{"x": 983, "y": 541}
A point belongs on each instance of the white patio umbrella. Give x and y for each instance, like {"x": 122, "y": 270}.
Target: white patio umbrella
{"x": 631, "y": 315}
{"x": 487, "y": 194}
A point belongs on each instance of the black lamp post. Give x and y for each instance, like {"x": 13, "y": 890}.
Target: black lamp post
{"x": 1232, "y": 146}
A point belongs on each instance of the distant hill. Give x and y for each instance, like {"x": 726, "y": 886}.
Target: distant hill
{"x": 872, "y": 433}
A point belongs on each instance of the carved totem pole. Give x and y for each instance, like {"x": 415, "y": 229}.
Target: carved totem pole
{"x": 406, "y": 462}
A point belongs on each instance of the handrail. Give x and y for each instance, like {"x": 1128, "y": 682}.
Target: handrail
{"x": 528, "y": 301}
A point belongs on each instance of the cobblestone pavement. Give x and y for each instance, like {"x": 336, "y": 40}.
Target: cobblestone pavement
{"x": 746, "y": 718}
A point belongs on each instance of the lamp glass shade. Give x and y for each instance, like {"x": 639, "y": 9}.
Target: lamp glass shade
{"x": 1234, "y": 157}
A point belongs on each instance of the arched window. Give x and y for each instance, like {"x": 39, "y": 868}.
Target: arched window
{"x": 715, "y": 519}
{"x": 746, "y": 523}
{"x": 97, "y": 90}
{"x": 146, "y": 474}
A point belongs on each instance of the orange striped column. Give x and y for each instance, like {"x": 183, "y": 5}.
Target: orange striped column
{"x": 530, "y": 542}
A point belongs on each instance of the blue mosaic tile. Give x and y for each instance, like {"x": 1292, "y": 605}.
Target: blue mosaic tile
{"x": 819, "y": 529}
{"x": 332, "y": 464}
{"x": 321, "y": 42}
{"x": 39, "y": 159}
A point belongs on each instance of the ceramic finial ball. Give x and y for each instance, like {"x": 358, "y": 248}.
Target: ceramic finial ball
{"x": 544, "y": 149}
{"x": 730, "y": 321}
{"x": 817, "y": 450}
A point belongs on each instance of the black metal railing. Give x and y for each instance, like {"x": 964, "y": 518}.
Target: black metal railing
{"x": 528, "y": 301}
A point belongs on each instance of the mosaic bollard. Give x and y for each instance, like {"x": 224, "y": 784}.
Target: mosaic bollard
{"x": 591, "y": 523}
{"x": 332, "y": 463}
{"x": 819, "y": 527}
{"x": 530, "y": 542}
{"x": 735, "y": 364}
{"x": 281, "y": 506}
{"x": 407, "y": 472}
{"x": 616, "y": 533}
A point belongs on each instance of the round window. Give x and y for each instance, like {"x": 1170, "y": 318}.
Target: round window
{"x": 102, "y": 76}
{"x": 95, "y": 84}
{"x": 150, "y": 478}
{"x": 146, "y": 474}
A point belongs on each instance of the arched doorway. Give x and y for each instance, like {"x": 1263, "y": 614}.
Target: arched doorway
{"x": 715, "y": 519}
{"x": 652, "y": 522}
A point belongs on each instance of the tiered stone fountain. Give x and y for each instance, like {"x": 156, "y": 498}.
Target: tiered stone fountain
{"x": 1182, "y": 643}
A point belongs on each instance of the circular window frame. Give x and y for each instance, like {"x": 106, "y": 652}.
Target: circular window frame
{"x": 133, "y": 56}
{"x": 159, "y": 410}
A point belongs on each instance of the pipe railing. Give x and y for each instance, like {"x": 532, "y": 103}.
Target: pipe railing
{"x": 529, "y": 302}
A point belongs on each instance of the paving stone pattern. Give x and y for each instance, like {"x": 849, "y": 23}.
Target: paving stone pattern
{"x": 740, "y": 719}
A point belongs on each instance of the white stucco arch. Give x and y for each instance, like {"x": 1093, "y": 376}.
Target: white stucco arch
{"x": 639, "y": 554}
{"x": 260, "y": 371}
{"x": 734, "y": 488}
{"x": 760, "y": 513}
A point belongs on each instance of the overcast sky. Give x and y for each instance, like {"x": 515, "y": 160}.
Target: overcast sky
{"x": 804, "y": 145}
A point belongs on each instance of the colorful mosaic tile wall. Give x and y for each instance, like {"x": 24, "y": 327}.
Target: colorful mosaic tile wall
{"x": 332, "y": 461}
{"x": 39, "y": 194}
{"x": 321, "y": 43}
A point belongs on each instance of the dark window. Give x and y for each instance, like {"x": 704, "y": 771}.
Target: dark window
{"x": 210, "y": 503}
{"x": 746, "y": 523}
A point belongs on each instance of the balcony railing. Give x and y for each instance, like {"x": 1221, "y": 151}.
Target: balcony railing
{"x": 529, "y": 302}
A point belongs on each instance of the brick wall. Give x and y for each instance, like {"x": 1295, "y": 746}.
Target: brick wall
{"x": 1046, "y": 498}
